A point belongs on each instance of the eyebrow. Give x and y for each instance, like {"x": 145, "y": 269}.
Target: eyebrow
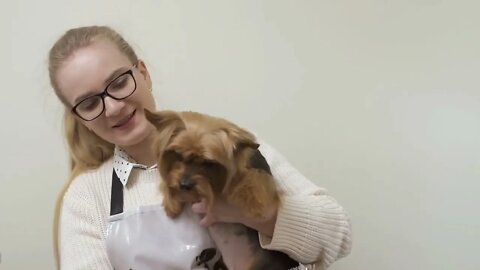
{"x": 109, "y": 79}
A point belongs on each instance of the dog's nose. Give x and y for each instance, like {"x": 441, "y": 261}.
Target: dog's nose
{"x": 186, "y": 184}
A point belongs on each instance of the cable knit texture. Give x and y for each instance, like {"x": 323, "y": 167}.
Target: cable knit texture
{"x": 311, "y": 226}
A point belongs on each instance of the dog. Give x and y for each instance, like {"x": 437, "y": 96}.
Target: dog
{"x": 201, "y": 156}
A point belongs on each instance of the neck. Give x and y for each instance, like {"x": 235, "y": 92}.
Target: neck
{"x": 143, "y": 151}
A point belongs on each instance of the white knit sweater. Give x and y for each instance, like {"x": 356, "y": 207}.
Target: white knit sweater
{"x": 311, "y": 226}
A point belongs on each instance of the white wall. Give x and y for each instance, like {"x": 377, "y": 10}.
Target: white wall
{"x": 378, "y": 101}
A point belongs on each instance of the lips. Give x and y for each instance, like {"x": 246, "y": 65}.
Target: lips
{"x": 124, "y": 120}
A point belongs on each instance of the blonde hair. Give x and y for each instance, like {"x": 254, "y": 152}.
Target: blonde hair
{"x": 86, "y": 149}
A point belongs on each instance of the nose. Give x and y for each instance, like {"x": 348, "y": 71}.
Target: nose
{"x": 113, "y": 107}
{"x": 186, "y": 184}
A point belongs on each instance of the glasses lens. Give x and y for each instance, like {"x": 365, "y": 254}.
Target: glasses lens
{"x": 90, "y": 108}
{"x": 122, "y": 87}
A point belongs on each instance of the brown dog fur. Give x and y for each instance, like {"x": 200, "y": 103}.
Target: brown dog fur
{"x": 201, "y": 156}
{"x": 216, "y": 155}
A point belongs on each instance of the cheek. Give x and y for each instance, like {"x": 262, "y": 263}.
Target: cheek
{"x": 143, "y": 98}
{"x": 149, "y": 101}
{"x": 90, "y": 125}
{"x": 99, "y": 127}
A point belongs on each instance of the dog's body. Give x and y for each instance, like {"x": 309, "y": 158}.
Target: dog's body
{"x": 206, "y": 157}
{"x": 241, "y": 250}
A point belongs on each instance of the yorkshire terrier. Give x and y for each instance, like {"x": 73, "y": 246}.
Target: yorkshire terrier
{"x": 201, "y": 156}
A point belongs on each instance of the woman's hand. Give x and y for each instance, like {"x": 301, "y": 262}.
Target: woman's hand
{"x": 223, "y": 211}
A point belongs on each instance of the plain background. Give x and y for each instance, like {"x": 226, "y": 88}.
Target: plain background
{"x": 377, "y": 101}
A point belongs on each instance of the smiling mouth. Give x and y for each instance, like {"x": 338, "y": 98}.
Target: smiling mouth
{"x": 125, "y": 120}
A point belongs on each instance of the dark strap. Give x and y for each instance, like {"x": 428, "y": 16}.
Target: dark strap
{"x": 116, "y": 201}
{"x": 258, "y": 161}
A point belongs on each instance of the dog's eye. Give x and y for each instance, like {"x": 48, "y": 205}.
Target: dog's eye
{"x": 173, "y": 155}
{"x": 209, "y": 163}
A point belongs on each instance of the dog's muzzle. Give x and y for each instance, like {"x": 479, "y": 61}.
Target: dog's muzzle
{"x": 187, "y": 184}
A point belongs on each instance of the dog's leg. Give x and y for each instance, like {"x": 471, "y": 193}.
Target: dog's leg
{"x": 234, "y": 241}
{"x": 241, "y": 249}
{"x": 254, "y": 193}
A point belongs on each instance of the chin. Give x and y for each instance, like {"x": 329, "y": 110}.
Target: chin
{"x": 136, "y": 136}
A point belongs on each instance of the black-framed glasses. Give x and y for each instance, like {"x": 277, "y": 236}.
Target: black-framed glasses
{"x": 91, "y": 107}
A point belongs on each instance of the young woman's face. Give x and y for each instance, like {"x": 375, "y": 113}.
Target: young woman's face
{"x": 89, "y": 71}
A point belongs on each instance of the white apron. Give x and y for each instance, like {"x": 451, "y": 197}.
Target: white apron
{"x": 146, "y": 238}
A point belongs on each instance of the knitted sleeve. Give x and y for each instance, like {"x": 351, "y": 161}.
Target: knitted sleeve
{"x": 81, "y": 239}
{"x": 311, "y": 226}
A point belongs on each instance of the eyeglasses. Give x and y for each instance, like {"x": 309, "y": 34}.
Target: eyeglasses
{"x": 123, "y": 86}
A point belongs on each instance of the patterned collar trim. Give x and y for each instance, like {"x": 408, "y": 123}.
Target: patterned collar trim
{"x": 123, "y": 165}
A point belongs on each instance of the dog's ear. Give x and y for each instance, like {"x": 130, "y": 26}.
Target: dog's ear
{"x": 167, "y": 123}
{"x": 239, "y": 137}
{"x": 168, "y": 159}
{"x": 250, "y": 144}
{"x": 153, "y": 117}
{"x": 162, "y": 119}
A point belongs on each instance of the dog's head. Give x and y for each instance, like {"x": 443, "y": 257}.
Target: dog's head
{"x": 201, "y": 154}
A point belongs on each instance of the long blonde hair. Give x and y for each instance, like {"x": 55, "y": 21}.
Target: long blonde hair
{"x": 86, "y": 149}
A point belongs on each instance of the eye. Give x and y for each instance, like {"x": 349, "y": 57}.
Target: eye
{"x": 209, "y": 163}
{"x": 173, "y": 155}
{"x": 119, "y": 83}
{"x": 89, "y": 104}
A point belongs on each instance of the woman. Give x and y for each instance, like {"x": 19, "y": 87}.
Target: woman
{"x": 110, "y": 214}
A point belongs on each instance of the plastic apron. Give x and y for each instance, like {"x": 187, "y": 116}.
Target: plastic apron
{"x": 146, "y": 238}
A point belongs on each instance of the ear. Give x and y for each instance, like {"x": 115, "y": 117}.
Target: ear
{"x": 237, "y": 139}
{"x": 168, "y": 125}
{"x": 168, "y": 158}
{"x": 240, "y": 137}
{"x": 163, "y": 119}
{"x": 142, "y": 68}
{"x": 253, "y": 145}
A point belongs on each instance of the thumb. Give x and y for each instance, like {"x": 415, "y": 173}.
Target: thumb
{"x": 200, "y": 207}
{"x": 208, "y": 220}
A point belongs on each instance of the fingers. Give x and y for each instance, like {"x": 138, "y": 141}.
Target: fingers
{"x": 220, "y": 212}
{"x": 207, "y": 220}
{"x": 200, "y": 207}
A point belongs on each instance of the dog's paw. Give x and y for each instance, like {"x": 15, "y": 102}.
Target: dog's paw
{"x": 172, "y": 209}
{"x": 172, "y": 205}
